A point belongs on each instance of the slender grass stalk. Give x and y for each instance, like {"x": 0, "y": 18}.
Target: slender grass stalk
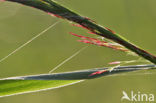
{"x": 56, "y": 9}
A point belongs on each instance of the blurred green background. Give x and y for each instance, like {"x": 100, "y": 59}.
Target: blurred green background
{"x": 133, "y": 19}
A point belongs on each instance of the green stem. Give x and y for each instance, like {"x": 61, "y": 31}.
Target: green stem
{"x": 55, "y": 8}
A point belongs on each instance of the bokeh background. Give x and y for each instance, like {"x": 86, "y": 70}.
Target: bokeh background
{"x": 133, "y": 19}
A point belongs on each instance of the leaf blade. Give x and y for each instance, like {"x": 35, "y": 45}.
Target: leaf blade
{"x": 14, "y": 87}
{"x": 33, "y": 83}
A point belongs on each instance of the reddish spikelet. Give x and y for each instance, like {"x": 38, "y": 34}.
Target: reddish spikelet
{"x": 98, "y": 42}
{"x": 78, "y": 25}
{"x": 81, "y": 26}
{"x": 110, "y": 30}
{"x": 54, "y": 15}
{"x": 77, "y": 35}
{"x": 82, "y": 36}
{"x": 98, "y": 72}
{"x": 85, "y": 41}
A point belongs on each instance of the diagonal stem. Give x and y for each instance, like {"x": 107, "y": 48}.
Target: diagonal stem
{"x": 52, "y": 7}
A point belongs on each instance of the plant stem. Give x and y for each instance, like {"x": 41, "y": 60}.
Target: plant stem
{"x": 52, "y": 7}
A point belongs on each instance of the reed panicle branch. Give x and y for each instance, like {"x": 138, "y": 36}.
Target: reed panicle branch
{"x": 50, "y": 6}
